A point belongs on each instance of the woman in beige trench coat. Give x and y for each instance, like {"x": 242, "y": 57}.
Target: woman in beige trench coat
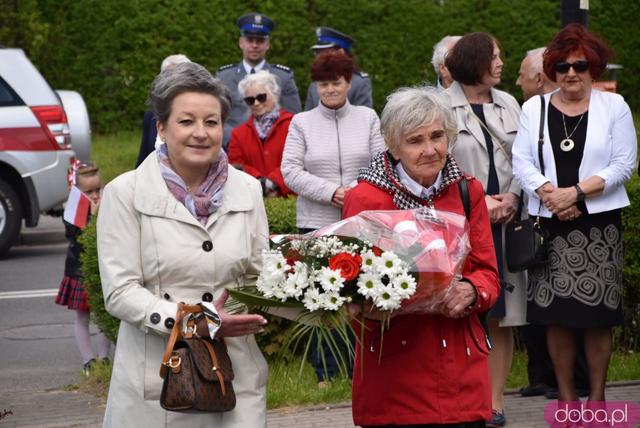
{"x": 487, "y": 125}
{"x": 181, "y": 228}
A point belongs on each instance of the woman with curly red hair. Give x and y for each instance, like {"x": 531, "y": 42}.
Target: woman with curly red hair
{"x": 589, "y": 152}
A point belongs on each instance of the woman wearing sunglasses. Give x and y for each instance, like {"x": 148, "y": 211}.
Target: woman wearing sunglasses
{"x": 589, "y": 152}
{"x": 256, "y": 146}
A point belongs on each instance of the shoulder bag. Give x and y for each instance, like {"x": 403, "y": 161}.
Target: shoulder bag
{"x": 196, "y": 369}
{"x": 526, "y": 240}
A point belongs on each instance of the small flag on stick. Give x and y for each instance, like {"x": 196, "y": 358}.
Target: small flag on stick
{"x": 77, "y": 209}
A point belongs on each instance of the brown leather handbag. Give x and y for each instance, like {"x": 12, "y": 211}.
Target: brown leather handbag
{"x": 196, "y": 369}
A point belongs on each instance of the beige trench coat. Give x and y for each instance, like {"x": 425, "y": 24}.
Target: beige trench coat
{"x": 470, "y": 151}
{"x": 153, "y": 254}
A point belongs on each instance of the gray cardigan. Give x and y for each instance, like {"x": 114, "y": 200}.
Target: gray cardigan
{"x": 324, "y": 150}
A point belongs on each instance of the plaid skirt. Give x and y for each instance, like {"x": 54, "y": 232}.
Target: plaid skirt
{"x": 71, "y": 293}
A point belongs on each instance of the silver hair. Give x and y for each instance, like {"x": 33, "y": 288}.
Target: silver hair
{"x": 536, "y": 63}
{"x": 440, "y": 51}
{"x": 262, "y": 79}
{"x": 172, "y": 60}
{"x": 185, "y": 77}
{"x": 409, "y": 108}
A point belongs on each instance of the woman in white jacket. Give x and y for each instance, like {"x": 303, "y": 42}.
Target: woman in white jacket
{"x": 589, "y": 151}
{"x": 180, "y": 228}
{"x": 327, "y": 146}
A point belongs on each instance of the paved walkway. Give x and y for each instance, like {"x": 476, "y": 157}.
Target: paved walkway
{"x": 57, "y": 408}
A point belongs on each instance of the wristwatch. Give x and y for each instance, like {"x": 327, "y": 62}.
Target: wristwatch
{"x": 581, "y": 194}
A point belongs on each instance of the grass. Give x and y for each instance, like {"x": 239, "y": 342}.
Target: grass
{"x": 115, "y": 153}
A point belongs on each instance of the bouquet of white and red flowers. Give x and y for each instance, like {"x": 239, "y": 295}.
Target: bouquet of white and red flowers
{"x": 390, "y": 260}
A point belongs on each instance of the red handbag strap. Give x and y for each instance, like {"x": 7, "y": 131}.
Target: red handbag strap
{"x": 176, "y": 333}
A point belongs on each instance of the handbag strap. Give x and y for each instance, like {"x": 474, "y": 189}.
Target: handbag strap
{"x": 540, "y": 143}
{"x": 176, "y": 334}
{"x": 493, "y": 137}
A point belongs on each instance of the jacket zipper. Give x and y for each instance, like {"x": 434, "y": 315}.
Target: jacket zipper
{"x": 339, "y": 151}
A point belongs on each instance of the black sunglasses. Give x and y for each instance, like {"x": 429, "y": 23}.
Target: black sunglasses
{"x": 579, "y": 66}
{"x": 251, "y": 100}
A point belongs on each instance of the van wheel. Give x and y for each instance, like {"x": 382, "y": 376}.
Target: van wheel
{"x": 10, "y": 217}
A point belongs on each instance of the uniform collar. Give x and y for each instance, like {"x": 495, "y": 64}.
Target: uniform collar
{"x": 248, "y": 67}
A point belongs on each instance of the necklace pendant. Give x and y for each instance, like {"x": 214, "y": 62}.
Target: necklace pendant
{"x": 567, "y": 145}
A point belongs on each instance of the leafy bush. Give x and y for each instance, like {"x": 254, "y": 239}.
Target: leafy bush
{"x": 627, "y": 336}
{"x": 92, "y": 284}
{"x": 281, "y": 213}
{"x": 110, "y": 50}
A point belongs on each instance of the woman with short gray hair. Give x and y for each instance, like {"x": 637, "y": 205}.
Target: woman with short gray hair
{"x": 426, "y": 356}
{"x": 182, "y": 227}
{"x": 256, "y": 146}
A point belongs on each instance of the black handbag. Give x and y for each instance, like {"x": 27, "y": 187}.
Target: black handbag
{"x": 526, "y": 240}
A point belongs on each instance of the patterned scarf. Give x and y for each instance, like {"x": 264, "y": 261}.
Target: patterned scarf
{"x": 382, "y": 174}
{"x": 264, "y": 123}
{"x": 208, "y": 196}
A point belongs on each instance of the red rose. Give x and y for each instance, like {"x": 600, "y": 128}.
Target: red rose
{"x": 348, "y": 265}
{"x": 377, "y": 251}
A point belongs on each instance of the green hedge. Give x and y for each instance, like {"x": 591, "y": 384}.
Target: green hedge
{"x": 111, "y": 50}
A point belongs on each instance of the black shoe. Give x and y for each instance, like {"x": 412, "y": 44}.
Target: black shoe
{"x": 534, "y": 390}
{"x": 582, "y": 392}
{"x": 88, "y": 367}
{"x": 552, "y": 394}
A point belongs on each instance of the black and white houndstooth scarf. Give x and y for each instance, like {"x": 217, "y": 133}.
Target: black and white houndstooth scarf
{"x": 382, "y": 174}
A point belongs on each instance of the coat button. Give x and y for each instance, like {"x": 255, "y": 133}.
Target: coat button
{"x": 169, "y": 322}
{"x": 207, "y": 246}
{"x": 155, "y": 318}
{"x": 166, "y": 296}
{"x": 207, "y": 297}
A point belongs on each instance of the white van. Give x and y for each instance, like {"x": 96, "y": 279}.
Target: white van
{"x": 35, "y": 144}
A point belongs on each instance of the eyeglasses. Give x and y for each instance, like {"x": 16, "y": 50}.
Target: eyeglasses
{"x": 251, "y": 100}
{"x": 579, "y": 66}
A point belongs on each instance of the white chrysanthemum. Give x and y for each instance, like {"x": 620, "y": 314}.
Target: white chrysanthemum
{"x": 387, "y": 298}
{"x": 388, "y": 264}
{"x": 269, "y": 281}
{"x": 331, "y": 301}
{"x": 330, "y": 279}
{"x": 311, "y": 299}
{"x": 297, "y": 281}
{"x": 368, "y": 261}
{"x": 368, "y": 284}
{"x": 274, "y": 261}
{"x": 405, "y": 285}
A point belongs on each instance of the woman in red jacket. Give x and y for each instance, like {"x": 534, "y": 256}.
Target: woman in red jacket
{"x": 256, "y": 146}
{"x": 433, "y": 369}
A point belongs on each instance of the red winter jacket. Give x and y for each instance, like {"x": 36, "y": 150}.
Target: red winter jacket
{"x": 433, "y": 369}
{"x": 261, "y": 159}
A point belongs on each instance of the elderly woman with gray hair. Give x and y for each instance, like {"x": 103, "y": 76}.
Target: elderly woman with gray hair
{"x": 256, "y": 146}
{"x": 182, "y": 227}
{"x": 433, "y": 368}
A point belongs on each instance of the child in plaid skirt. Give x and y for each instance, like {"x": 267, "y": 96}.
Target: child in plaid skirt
{"x": 71, "y": 293}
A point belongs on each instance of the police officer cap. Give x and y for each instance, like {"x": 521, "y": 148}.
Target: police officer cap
{"x": 255, "y": 25}
{"x": 329, "y": 38}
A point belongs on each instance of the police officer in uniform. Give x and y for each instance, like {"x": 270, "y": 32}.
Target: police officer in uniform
{"x": 255, "y": 29}
{"x": 360, "y": 93}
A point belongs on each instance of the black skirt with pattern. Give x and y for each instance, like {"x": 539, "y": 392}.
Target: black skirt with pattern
{"x": 581, "y": 283}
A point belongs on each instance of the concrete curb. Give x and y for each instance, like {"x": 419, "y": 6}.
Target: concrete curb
{"x": 50, "y": 230}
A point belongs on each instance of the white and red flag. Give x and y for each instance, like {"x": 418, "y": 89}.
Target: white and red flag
{"x": 77, "y": 210}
